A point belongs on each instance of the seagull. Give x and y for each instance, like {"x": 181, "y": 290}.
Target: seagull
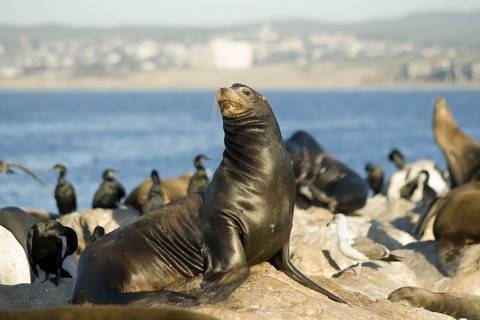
{"x": 359, "y": 248}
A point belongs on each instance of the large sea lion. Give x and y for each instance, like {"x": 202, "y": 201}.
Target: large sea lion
{"x": 456, "y": 224}
{"x": 461, "y": 151}
{"x": 18, "y": 222}
{"x": 173, "y": 189}
{"x": 321, "y": 179}
{"x": 242, "y": 218}
{"x": 455, "y": 304}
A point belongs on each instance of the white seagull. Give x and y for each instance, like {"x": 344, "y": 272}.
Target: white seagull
{"x": 359, "y": 248}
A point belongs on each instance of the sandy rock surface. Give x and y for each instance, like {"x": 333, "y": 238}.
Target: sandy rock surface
{"x": 270, "y": 294}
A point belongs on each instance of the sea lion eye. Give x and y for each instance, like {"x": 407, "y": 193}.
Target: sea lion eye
{"x": 246, "y": 92}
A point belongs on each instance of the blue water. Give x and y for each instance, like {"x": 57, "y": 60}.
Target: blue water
{"x": 136, "y": 132}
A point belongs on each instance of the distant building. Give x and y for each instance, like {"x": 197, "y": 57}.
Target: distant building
{"x": 222, "y": 54}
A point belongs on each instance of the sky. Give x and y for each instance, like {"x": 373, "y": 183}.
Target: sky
{"x": 212, "y": 13}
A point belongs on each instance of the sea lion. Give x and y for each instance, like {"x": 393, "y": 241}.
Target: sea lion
{"x": 455, "y": 304}
{"x": 456, "y": 224}
{"x": 173, "y": 189}
{"x": 242, "y": 218}
{"x": 18, "y": 222}
{"x": 45, "y": 248}
{"x": 323, "y": 180}
{"x": 461, "y": 151}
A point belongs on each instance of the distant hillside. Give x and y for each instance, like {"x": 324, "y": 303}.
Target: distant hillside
{"x": 432, "y": 28}
{"x": 445, "y": 29}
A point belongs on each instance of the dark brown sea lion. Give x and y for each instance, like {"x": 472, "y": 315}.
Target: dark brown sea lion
{"x": 456, "y": 225}
{"x": 18, "y": 222}
{"x": 461, "y": 151}
{"x": 322, "y": 179}
{"x": 242, "y": 218}
{"x": 173, "y": 189}
{"x": 455, "y": 304}
{"x": 102, "y": 313}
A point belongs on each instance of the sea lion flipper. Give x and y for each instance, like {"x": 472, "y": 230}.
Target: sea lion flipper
{"x": 226, "y": 267}
{"x": 282, "y": 262}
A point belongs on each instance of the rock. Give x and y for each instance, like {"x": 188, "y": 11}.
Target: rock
{"x": 85, "y": 222}
{"x": 35, "y": 295}
{"x": 270, "y": 294}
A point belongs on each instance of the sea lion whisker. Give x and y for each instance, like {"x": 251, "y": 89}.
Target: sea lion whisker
{"x": 216, "y": 105}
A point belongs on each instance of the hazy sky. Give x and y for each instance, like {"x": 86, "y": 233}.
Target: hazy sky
{"x": 106, "y": 13}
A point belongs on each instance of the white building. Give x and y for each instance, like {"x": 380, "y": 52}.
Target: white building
{"x": 222, "y": 54}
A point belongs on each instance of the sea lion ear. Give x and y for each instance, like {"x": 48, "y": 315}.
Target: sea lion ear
{"x": 32, "y": 263}
{"x": 72, "y": 241}
{"x": 264, "y": 99}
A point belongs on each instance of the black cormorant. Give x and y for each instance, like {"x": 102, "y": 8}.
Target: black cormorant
{"x": 375, "y": 177}
{"x": 155, "y": 198}
{"x": 397, "y": 157}
{"x": 199, "y": 179}
{"x": 5, "y": 167}
{"x": 97, "y": 234}
{"x": 64, "y": 192}
{"x": 109, "y": 193}
{"x": 45, "y": 246}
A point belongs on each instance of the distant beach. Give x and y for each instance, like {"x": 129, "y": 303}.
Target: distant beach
{"x": 324, "y": 75}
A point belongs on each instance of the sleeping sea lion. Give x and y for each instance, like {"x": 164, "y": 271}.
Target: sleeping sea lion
{"x": 322, "y": 179}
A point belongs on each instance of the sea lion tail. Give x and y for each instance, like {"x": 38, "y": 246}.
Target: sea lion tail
{"x": 282, "y": 262}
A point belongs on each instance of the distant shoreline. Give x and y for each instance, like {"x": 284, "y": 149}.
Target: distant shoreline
{"x": 325, "y": 76}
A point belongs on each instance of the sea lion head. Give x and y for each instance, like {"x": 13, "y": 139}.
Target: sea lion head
{"x": 409, "y": 297}
{"x": 239, "y": 99}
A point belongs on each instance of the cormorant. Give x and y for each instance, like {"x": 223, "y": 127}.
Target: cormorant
{"x": 97, "y": 234}
{"x": 397, "y": 157}
{"x": 375, "y": 177}
{"x": 64, "y": 192}
{"x": 5, "y": 168}
{"x": 155, "y": 198}
{"x": 45, "y": 246}
{"x": 199, "y": 179}
{"x": 109, "y": 193}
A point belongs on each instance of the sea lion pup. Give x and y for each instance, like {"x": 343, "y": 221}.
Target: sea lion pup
{"x": 461, "y": 151}
{"x": 45, "y": 248}
{"x": 242, "y": 218}
{"x": 321, "y": 179}
{"x": 455, "y": 304}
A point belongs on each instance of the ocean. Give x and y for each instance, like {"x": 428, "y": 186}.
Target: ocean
{"x": 135, "y": 132}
